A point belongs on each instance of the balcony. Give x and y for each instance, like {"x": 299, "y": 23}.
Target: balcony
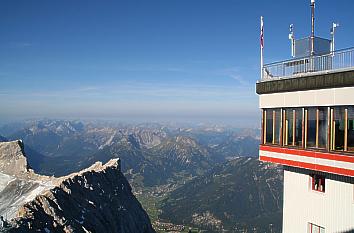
{"x": 337, "y": 61}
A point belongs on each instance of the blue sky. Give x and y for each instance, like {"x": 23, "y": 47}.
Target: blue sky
{"x": 148, "y": 60}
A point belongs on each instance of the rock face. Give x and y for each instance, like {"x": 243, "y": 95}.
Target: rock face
{"x": 96, "y": 199}
{"x": 12, "y": 160}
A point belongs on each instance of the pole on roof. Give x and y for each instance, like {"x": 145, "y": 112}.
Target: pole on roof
{"x": 262, "y": 45}
{"x": 312, "y": 27}
{"x": 292, "y": 39}
{"x": 333, "y": 29}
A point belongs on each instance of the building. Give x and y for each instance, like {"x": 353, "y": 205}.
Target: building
{"x": 307, "y": 106}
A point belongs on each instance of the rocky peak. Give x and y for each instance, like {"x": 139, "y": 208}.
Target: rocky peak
{"x": 186, "y": 141}
{"x": 96, "y": 199}
{"x": 12, "y": 159}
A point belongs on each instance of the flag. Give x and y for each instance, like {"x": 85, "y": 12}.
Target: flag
{"x": 262, "y": 45}
{"x": 262, "y": 35}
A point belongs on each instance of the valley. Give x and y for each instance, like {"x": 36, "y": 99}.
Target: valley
{"x": 200, "y": 177}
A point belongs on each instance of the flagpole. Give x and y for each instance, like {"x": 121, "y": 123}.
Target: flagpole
{"x": 262, "y": 44}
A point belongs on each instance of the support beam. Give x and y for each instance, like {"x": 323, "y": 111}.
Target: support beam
{"x": 317, "y": 125}
{"x": 265, "y": 127}
{"x": 303, "y": 129}
{"x": 294, "y": 126}
{"x": 346, "y": 129}
{"x": 273, "y": 141}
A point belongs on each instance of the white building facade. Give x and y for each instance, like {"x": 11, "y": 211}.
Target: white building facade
{"x": 308, "y": 127}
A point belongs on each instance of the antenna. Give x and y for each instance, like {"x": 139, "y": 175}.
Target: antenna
{"x": 312, "y": 27}
{"x": 333, "y": 29}
{"x": 292, "y": 39}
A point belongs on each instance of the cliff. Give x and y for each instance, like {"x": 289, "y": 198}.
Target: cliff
{"x": 96, "y": 199}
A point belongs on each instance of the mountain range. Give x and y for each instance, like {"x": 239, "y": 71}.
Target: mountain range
{"x": 206, "y": 177}
{"x": 59, "y": 147}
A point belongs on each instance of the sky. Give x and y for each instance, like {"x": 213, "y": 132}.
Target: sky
{"x": 148, "y": 60}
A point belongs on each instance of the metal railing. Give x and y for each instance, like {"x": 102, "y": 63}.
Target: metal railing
{"x": 337, "y": 60}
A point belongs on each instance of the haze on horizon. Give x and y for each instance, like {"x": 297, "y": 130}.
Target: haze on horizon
{"x": 168, "y": 60}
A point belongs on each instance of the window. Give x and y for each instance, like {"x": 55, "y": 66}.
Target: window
{"x": 312, "y": 228}
{"x": 298, "y": 126}
{"x": 269, "y": 126}
{"x": 322, "y": 127}
{"x": 317, "y": 127}
{"x": 318, "y": 183}
{"x": 350, "y": 128}
{"x": 330, "y": 128}
{"x": 311, "y": 127}
{"x": 338, "y": 126}
{"x": 289, "y": 127}
{"x": 277, "y": 117}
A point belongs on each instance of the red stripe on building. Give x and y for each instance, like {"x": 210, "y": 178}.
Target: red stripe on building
{"x": 310, "y": 166}
{"x": 307, "y": 153}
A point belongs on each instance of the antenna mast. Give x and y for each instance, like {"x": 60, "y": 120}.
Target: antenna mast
{"x": 312, "y": 27}
{"x": 333, "y": 29}
{"x": 292, "y": 39}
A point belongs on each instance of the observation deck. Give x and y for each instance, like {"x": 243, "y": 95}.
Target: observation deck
{"x": 325, "y": 71}
{"x": 308, "y": 112}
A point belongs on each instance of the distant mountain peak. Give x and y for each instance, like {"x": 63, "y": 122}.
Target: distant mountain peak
{"x": 186, "y": 141}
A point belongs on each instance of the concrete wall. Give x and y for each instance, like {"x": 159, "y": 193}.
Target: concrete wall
{"x": 333, "y": 210}
{"x": 322, "y": 97}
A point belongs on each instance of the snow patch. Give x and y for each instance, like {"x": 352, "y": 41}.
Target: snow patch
{"x": 109, "y": 141}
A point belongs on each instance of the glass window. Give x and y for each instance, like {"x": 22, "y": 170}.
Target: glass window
{"x": 318, "y": 183}
{"x": 269, "y": 126}
{"x": 289, "y": 126}
{"x": 311, "y": 127}
{"x": 325, "y": 127}
{"x": 350, "y": 128}
{"x": 298, "y": 127}
{"x": 277, "y": 125}
{"x": 322, "y": 127}
{"x": 338, "y": 125}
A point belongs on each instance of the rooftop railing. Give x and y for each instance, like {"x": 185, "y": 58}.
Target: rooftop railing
{"x": 298, "y": 67}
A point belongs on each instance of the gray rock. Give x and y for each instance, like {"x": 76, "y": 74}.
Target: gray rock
{"x": 96, "y": 199}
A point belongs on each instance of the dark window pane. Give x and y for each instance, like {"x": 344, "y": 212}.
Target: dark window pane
{"x": 289, "y": 126}
{"x": 298, "y": 126}
{"x": 351, "y": 128}
{"x": 322, "y": 127}
{"x": 277, "y": 125}
{"x": 338, "y": 129}
{"x": 311, "y": 127}
{"x": 269, "y": 125}
{"x": 318, "y": 183}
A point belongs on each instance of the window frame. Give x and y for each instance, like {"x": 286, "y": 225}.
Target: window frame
{"x": 276, "y": 127}
{"x": 318, "y": 228}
